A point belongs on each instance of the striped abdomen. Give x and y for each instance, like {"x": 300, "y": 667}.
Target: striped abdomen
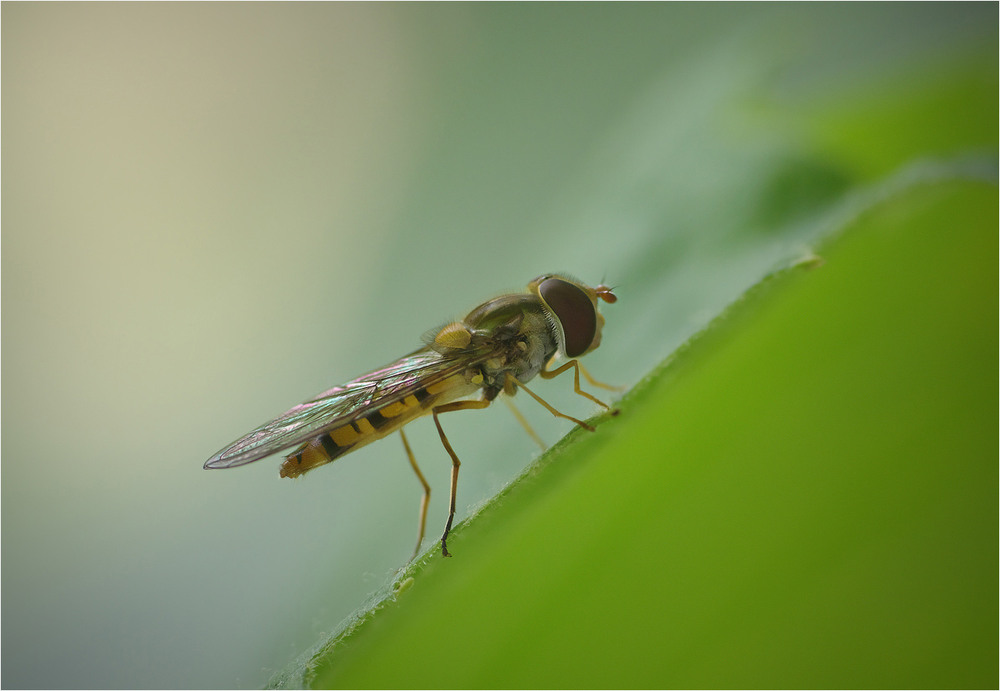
{"x": 372, "y": 426}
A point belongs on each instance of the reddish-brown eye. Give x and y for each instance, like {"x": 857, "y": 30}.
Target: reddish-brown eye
{"x": 575, "y": 312}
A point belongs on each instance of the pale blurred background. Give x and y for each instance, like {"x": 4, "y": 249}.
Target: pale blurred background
{"x": 214, "y": 211}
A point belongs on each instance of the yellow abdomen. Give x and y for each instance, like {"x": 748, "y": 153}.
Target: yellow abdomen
{"x": 372, "y": 426}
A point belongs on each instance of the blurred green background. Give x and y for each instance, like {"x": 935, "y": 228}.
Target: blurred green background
{"x": 803, "y": 496}
{"x": 212, "y": 212}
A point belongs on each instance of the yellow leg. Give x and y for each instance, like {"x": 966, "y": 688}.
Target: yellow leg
{"x": 575, "y": 364}
{"x": 511, "y": 381}
{"x": 455, "y": 463}
{"x": 577, "y": 367}
{"x": 594, "y": 382}
{"x": 524, "y": 423}
{"x": 424, "y": 500}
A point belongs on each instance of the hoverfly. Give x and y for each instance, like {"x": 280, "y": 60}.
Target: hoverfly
{"x": 497, "y": 348}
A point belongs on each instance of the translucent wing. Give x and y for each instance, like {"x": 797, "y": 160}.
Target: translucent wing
{"x": 342, "y": 404}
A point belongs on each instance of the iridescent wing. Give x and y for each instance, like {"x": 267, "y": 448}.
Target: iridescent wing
{"x": 343, "y": 404}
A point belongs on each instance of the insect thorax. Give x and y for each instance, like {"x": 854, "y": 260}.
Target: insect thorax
{"x": 524, "y": 345}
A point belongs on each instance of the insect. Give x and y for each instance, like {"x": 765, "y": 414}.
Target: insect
{"x": 496, "y": 348}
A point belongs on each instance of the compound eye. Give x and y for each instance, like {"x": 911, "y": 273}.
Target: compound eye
{"x": 575, "y": 312}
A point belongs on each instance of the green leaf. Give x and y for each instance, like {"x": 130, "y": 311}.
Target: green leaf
{"x": 805, "y": 493}
{"x": 805, "y": 496}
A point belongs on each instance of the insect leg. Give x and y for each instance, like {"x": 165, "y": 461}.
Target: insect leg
{"x": 455, "y": 463}
{"x": 575, "y": 364}
{"x": 524, "y": 423}
{"x": 598, "y": 384}
{"x": 511, "y": 381}
{"x": 424, "y": 500}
